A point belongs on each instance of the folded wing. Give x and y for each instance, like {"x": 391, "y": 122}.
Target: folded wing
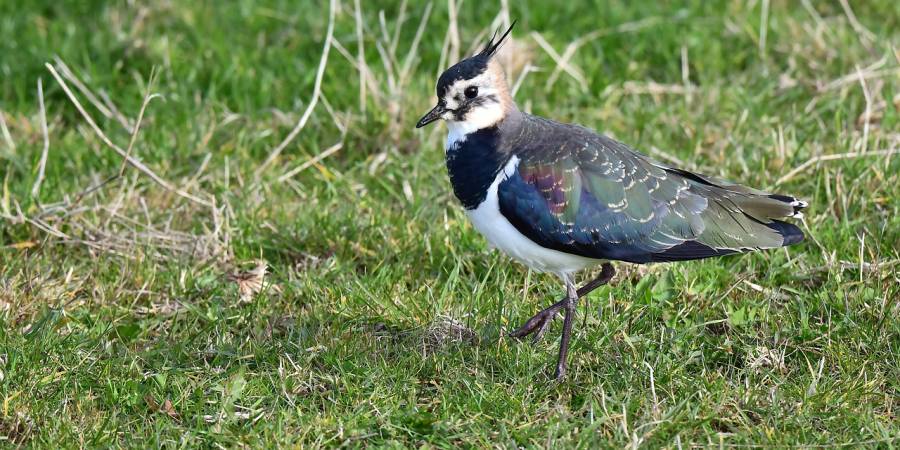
{"x": 593, "y": 196}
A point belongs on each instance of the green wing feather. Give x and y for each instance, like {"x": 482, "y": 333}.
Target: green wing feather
{"x": 599, "y": 187}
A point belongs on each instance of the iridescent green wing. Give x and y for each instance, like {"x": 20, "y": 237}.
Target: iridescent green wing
{"x": 595, "y": 197}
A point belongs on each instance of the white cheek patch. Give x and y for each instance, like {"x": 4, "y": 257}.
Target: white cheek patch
{"x": 484, "y": 116}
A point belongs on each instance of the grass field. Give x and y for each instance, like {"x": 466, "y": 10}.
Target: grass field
{"x": 383, "y": 315}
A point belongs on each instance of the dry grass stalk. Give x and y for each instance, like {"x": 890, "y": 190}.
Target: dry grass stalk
{"x": 453, "y": 43}
{"x": 137, "y": 127}
{"x": 109, "y": 113}
{"x": 365, "y": 72}
{"x": 763, "y": 27}
{"x": 42, "y": 164}
{"x": 387, "y": 87}
{"x": 317, "y": 89}
{"x": 572, "y": 47}
{"x": 762, "y": 356}
{"x": 870, "y": 72}
{"x": 406, "y": 69}
{"x": 864, "y": 142}
{"x": 521, "y": 78}
{"x": 312, "y": 161}
{"x": 564, "y": 64}
{"x": 6, "y": 136}
{"x": 360, "y": 56}
{"x": 654, "y": 88}
{"x": 865, "y": 36}
{"x": 822, "y": 158}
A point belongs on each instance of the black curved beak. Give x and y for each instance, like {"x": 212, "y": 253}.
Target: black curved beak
{"x": 432, "y": 115}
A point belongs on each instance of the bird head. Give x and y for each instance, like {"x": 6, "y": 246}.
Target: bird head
{"x": 473, "y": 91}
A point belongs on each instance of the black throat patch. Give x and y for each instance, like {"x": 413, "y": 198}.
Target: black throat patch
{"x": 473, "y": 165}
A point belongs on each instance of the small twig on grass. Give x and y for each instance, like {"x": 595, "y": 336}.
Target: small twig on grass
{"x": 833, "y": 157}
{"x": 772, "y": 293}
{"x": 131, "y": 160}
{"x": 317, "y": 88}
{"x": 91, "y": 189}
{"x": 314, "y": 160}
{"x": 42, "y": 165}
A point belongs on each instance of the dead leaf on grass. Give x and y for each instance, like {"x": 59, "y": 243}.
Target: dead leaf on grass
{"x": 165, "y": 408}
{"x": 250, "y": 282}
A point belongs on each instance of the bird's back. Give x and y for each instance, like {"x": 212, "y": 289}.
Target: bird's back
{"x": 583, "y": 193}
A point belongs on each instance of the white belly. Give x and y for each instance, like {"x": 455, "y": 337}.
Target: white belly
{"x": 500, "y": 233}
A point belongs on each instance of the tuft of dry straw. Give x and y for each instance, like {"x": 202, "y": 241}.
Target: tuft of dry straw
{"x": 124, "y": 223}
{"x": 128, "y": 158}
{"x": 444, "y": 331}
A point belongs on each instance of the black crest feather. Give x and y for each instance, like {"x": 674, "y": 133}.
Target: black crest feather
{"x": 491, "y": 46}
{"x": 473, "y": 66}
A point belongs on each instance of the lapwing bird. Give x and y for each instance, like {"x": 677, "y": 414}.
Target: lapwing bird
{"x": 561, "y": 198}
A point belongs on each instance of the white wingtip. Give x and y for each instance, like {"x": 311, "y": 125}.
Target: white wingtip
{"x": 799, "y": 203}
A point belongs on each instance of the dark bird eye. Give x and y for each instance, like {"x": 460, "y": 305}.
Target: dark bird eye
{"x": 471, "y": 92}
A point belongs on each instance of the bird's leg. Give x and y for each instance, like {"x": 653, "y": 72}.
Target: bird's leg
{"x": 539, "y": 323}
{"x": 571, "y": 298}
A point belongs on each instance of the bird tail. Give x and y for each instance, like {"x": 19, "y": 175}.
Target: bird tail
{"x": 797, "y": 205}
{"x": 763, "y": 207}
{"x": 790, "y": 233}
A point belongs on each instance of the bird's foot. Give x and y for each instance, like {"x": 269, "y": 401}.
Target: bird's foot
{"x": 560, "y": 373}
{"x": 539, "y": 323}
